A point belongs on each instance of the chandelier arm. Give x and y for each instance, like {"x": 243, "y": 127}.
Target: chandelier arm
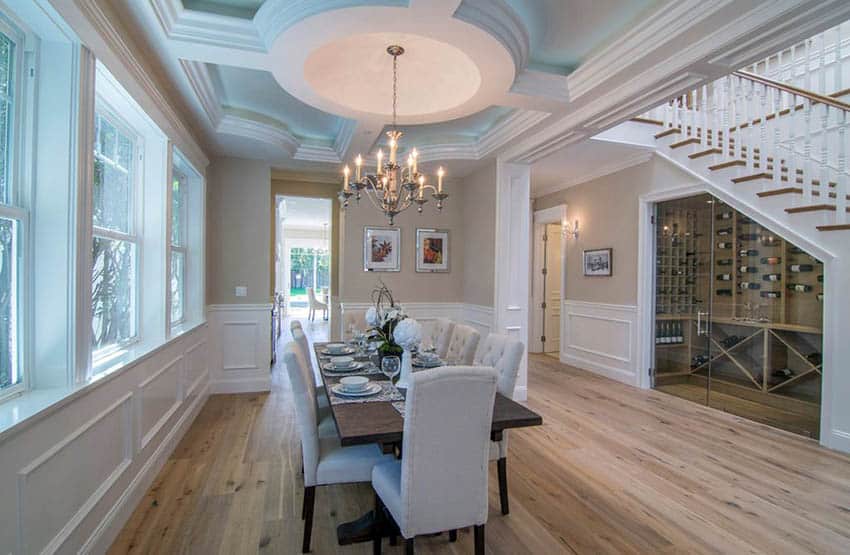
{"x": 372, "y": 196}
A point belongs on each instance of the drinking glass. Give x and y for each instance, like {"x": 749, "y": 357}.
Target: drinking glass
{"x": 391, "y": 366}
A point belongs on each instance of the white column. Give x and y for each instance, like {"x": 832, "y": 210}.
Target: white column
{"x": 513, "y": 259}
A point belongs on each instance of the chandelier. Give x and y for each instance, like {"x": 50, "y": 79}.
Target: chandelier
{"x": 393, "y": 188}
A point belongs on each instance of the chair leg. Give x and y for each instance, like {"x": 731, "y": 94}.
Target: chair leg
{"x": 377, "y": 525}
{"x": 479, "y": 540}
{"x": 309, "y": 502}
{"x": 452, "y": 536}
{"x": 408, "y": 547}
{"x": 502, "y": 465}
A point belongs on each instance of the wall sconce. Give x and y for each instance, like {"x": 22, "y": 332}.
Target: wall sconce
{"x": 567, "y": 232}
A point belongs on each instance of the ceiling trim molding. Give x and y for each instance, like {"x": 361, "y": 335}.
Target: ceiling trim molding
{"x": 498, "y": 19}
{"x": 178, "y": 23}
{"x": 535, "y": 83}
{"x": 233, "y": 124}
{"x": 127, "y": 56}
{"x": 667, "y": 22}
{"x": 275, "y": 16}
{"x": 343, "y": 137}
{"x": 315, "y": 152}
{"x": 306, "y": 177}
{"x": 198, "y": 75}
{"x": 601, "y": 171}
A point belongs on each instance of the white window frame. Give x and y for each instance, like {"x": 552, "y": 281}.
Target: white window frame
{"x": 102, "y": 108}
{"x": 183, "y": 248}
{"x": 16, "y": 209}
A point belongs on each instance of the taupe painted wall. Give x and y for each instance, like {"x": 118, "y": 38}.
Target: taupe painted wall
{"x": 238, "y": 230}
{"x": 479, "y": 231}
{"x": 608, "y": 211}
{"x": 407, "y": 285}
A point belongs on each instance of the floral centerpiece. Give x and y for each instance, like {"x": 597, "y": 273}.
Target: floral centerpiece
{"x": 396, "y": 333}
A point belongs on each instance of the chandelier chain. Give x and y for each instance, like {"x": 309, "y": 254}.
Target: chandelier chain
{"x": 395, "y": 87}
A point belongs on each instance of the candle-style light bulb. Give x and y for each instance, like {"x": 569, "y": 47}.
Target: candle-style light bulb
{"x": 415, "y": 156}
{"x": 358, "y": 162}
{"x": 393, "y": 149}
{"x": 440, "y": 174}
{"x": 346, "y": 173}
{"x": 380, "y": 161}
{"x": 410, "y": 167}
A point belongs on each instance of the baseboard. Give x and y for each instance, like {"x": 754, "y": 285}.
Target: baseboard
{"x": 109, "y": 528}
{"x": 521, "y": 393}
{"x": 611, "y": 372}
{"x": 838, "y": 440}
{"x": 241, "y": 385}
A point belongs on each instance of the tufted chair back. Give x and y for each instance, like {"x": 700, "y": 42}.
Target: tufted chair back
{"x": 503, "y": 353}
{"x": 303, "y": 347}
{"x": 305, "y": 411}
{"x": 439, "y": 334}
{"x": 462, "y": 346}
{"x": 356, "y": 318}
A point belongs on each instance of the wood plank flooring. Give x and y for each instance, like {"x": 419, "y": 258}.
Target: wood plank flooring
{"x": 613, "y": 470}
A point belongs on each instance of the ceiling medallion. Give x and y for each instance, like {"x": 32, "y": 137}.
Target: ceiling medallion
{"x": 393, "y": 188}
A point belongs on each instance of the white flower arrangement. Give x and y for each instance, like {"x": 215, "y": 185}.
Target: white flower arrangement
{"x": 408, "y": 333}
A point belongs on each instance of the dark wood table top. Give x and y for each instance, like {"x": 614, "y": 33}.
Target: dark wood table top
{"x": 379, "y": 422}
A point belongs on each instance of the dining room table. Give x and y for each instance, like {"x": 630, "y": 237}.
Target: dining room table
{"x": 379, "y": 418}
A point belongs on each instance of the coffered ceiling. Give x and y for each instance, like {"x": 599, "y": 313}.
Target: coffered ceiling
{"x": 306, "y": 84}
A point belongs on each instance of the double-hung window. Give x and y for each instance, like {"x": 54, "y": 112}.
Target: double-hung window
{"x": 13, "y": 217}
{"x": 179, "y": 235}
{"x": 115, "y": 249}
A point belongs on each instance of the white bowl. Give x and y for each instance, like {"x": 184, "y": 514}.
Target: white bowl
{"x": 342, "y": 362}
{"x": 335, "y": 347}
{"x": 354, "y": 383}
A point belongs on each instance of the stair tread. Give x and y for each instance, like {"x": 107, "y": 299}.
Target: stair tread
{"x": 814, "y": 208}
{"x": 712, "y": 150}
{"x": 685, "y": 142}
{"x": 640, "y": 119}
{"x": 833, "y": 227}
{"x": 671, "y": 131}
{"x": 752, "y": 177}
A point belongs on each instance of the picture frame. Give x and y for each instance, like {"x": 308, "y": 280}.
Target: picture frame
{"x": 598, "y": 262}
{"x": 381, "y": 249}
{"x": 432, "y": 250}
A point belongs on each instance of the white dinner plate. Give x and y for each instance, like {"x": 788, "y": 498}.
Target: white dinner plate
{"x": 329, "y": 367}
{"x": 346, "y": 351}
{"x": 427, "y": 363}
{"x": 371, "y": 389}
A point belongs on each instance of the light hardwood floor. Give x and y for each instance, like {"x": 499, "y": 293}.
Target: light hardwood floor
{"x": 613, "y": 470}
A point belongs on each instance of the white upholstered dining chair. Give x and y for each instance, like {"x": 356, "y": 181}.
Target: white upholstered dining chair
{"x": 303, "y": 343}
{"x": 439, "y": 334}
{"x": 461, "y": 350}
{"x": 315, "y": 304}
{"x": 441, "y": 481}
{"x": 325, "y": 461}
{"x": 503, "y": 353}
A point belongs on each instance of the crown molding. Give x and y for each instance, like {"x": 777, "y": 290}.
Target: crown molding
{"x": 252, "y": 128}
{"x": 178, "y": 23}
{"x": 498, "y": 19}
{"x": 534, "y": 83}
{"x": 115, "y": 41}
{"x": 344, "y": 136}
{"x": 202, "y": 85}
{"x": 601, "y": 171}
{"x": 317, "y": 152}
{"x": 669, "y": 21}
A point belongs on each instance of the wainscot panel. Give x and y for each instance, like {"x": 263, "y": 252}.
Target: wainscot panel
{"x": 241, "y": 347}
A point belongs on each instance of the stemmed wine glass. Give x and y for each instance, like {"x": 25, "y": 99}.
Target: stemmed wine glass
{"x": 391, "y": 366}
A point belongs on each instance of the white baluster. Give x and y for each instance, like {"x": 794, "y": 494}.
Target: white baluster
{"x": 704, "y": 117}
{"x": 751, "y": 154}
{"x": 838, "y": 78}
{"x": 807, "y": 150}
{"x": 843, "y": 187}
{"x": 824, "y": 152}
{"x": 808, "y": 68}
{"x": 737, "y": 117}
{"x": 822, "y": 64}
{"x": 727, "y": 108}
{"x": 762, "y": 99}
{"x": 777, "y": 138}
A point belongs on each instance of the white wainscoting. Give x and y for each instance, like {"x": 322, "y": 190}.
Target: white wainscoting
{"x": 72, "y": 475}
{"x": 240, "y": 357}
{"x": 601, "y": 338}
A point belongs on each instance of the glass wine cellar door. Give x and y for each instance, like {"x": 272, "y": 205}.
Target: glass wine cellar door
{"x": 739, "y": 315}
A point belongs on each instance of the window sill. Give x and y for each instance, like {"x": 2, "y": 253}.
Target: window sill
{"x": 19, "y": 412}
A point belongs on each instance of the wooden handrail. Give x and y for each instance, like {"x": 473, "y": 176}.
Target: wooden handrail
{"x": 815, "y": 97}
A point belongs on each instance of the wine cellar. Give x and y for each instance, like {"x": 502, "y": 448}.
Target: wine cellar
{"x": 739, "y": 314}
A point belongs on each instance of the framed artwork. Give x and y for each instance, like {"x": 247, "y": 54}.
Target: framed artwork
{"x": 381, "y": 246}
{"x": 432, "y": 250}
{"x": 597, "y": 262}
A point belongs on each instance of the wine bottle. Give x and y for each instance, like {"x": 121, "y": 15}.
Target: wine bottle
{"x": 749, "y": 236}
{"x": 799, "y": 287}
{"x": 722, "y": 245}
{"x": 772, "y": 260}
{"x": 724, "y": 262}
{"x": 801, "y": 268}
{"x": 748, "y": 270}
{"x": 724, "y": 277}
{"x": 771, "y": 294}
{"x": 680, "y": 338}
{"x": 795, "y": 250}
{"x": 724, "y": 292}
{"x": 750, "y": 285}
{"x": 657, "y": 332}
{"x": 744, "y": 219}
{"x": 820, "y": 297}
{"x": 820, "y": 278}
{"x": 748, "y": 252}
{"x": 725, "y": 215}
{"x": 772, "y": 277}
{"x": 724, "y": 231}
{"x": 770, "y": 241}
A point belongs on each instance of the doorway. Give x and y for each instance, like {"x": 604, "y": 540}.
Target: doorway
{"x": 547, "y": 286}
{"x": 303, "y": 257}
{"x": 738, "y": 315}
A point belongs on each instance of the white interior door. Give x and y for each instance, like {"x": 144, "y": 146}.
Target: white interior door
{"x": 552, "y": 278}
